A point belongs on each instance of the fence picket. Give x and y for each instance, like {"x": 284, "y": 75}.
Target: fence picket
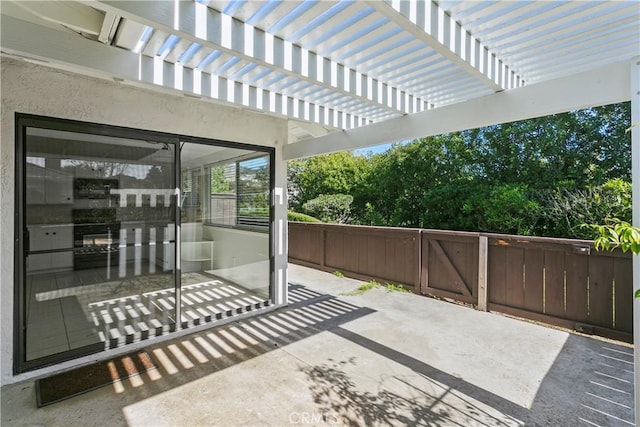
{"x": 533, "y": 280}
{"x": 554, "y": 272}
{"x": 577, "y": 287}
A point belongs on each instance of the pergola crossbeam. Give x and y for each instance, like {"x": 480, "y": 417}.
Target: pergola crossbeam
{"x": 427, "y": 22}
{"x": 606, "y": 85}
{"x": 200, "y": 24}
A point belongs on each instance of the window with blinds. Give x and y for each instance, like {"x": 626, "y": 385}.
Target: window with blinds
{"x": 239, "y": 192}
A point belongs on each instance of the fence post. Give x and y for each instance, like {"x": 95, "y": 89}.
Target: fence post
{"x": 483, "y": 255}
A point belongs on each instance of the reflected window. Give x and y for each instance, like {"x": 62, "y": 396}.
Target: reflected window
{"x": 239, "y": 193}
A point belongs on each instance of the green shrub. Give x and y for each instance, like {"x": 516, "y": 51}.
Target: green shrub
{"x": 330, "y": 207}
{"x": 295, "y": 216}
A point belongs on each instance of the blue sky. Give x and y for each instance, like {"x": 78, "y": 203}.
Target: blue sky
{"x": 376, "y": 149}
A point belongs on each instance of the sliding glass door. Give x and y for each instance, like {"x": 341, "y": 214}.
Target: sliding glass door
{"x": 99, "y": 218}
{"x": 224, "y": 229}
{"x": 123, "y": 232}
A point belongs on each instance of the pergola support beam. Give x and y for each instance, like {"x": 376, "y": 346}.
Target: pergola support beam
{"x": 606, "y": 85}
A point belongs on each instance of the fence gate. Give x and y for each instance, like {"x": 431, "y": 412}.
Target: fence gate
{"x": 450, "y": 265}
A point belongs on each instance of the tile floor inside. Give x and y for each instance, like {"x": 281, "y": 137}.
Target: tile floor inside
{"x": 87, "y": 309}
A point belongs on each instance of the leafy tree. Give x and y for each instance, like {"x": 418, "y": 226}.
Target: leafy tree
{"x": 509, "y": 209}
{"x": 544, "y": 176}
{"x": 565, "y": 212}
{"x": 337, "y": 173}
{"x": 584, "y": 147}
{"x": 219, "y": 183}
{"x": 295, "y": 169}
{"x": 252, "y": 188}
{"x": 405, "y": 179}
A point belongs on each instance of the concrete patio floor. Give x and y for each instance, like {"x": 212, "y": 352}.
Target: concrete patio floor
{"x": 379, "y": 358}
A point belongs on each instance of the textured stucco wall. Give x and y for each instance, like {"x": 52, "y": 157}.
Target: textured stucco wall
{"x": 35, "y": 89}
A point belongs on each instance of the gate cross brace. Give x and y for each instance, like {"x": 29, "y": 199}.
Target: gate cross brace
{"x": 459, "y": 281}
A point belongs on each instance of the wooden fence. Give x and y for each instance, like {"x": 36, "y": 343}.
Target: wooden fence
{"x": 385, "y": 254}
{"x": 563, "y": 282}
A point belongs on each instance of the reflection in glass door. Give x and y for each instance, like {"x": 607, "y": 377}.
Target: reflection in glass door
{"x": 118, "y": 225}
{"x": 225, "y": 231}
{"x": 99, "y": 222}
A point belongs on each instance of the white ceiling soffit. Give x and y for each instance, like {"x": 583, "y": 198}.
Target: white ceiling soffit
{"x": 62, "y": 15}
{"x": 338, "y": 64}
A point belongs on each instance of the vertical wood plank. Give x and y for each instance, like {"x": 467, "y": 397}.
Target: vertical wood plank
{"x": 417, "y": 268}
{"x": 349, "y": 262}
{"x": 412, "y": 254}
{"x": 514, "y": 284}
{"x": 376, "y": 251}
{"x": 323, "y": 246}
{"x": 334, "y": 249}
{"x": 408, "y": 259}
{"x": 601, "y": 290}
{"x": 315, "y": 241}
{"x": 408, "y": 255}
{"x": 623, "y": 276}
{"x": 534, "y": 264}
{"x": 472, "y": 258}
{"x": 436, "y": 270}
{"x": 554, "y": 283}
{"x": 577, "y": 267}
{"x": 393, "y": 260}
{"x": 424, "y": 263}
{"x": 292, "y": 244}
{"x": 496, "y": 276}
{"x": 362, "y": 253}
{"x": 459, "y": 256}
{"x": 381, "y": 256}
{"x": 446, "y": 280}
{"x": 302, "y": 245}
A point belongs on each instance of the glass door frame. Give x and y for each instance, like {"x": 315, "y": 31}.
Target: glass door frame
{"x": 271, "y": 152}
{"x": 21, "y": 247}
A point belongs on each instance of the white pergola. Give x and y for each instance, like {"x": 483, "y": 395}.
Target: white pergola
{"x": 350, "y": 74}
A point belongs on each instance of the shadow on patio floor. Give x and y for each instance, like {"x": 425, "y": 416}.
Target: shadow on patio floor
{"x": 351, "y": 380}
